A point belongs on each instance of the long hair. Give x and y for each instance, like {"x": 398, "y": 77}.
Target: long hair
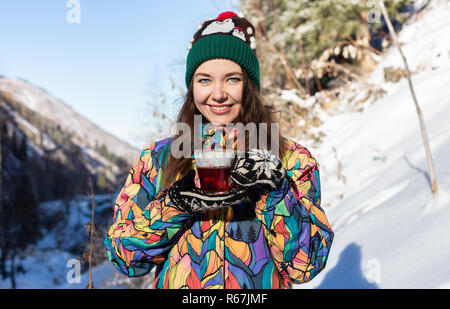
{"x": 252, "y": 111}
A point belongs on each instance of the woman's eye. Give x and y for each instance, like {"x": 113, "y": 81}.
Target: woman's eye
{"x": 235, "y": 79}
{"x": 205, "y": 80}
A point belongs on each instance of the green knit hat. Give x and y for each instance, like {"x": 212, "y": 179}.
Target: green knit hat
{"x": 229, "y": 36}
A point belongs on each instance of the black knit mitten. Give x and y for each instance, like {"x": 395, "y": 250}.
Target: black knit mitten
{"x": 186, "y": 196}
{"x": 258, "y": 168}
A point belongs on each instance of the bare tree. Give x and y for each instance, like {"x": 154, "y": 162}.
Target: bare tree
{"x": 92, "y": 227}
{"x": 419, "y": 111}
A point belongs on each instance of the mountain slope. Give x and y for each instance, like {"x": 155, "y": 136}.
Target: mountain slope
{"x": 43, "y": 136}
{"x": 38, "y": 100}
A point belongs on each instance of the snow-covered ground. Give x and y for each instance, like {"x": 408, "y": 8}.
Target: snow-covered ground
{"x": 49, "y": 263}
{"x": 389, "y": 230}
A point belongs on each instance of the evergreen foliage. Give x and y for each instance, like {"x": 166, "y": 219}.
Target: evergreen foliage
{"x": 299, "y": 32}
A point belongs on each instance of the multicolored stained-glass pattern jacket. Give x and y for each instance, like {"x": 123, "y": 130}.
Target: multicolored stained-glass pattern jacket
{"x": 281, "y": 240}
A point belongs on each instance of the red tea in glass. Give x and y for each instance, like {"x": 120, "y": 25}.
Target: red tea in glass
{"x": 213, "y": 168}
{"x": 214, "y": 179}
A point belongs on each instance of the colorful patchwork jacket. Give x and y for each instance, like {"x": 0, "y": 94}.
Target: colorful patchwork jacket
{"x": 281, "y": 240}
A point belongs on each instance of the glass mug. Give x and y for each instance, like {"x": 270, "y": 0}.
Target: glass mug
{"x": 213, "y": 167}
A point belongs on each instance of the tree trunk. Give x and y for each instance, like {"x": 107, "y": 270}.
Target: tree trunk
{"x": 3, "y": 263}
{"x": 419, "y": 111}
{"x": 12, "y": 270}
{"x": 91, "y": 284}
{"x": 305, "y": 70}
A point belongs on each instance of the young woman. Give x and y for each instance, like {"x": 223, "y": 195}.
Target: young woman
{"x": 268, "y": 231}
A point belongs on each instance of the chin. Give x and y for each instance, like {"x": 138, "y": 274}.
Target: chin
{"x": 221, "y": 120}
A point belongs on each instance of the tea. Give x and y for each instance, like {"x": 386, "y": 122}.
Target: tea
{"x": 213, "y": 168}
{"x": 214, "y": 179}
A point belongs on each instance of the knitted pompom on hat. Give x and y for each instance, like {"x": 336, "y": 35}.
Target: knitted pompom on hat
{"x": 229, "y": 36}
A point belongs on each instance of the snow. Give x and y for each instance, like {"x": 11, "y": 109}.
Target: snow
{"x": 50, "y": 265}
{"x": 291, "y": 95}
{"x": 390, "y": 232}
{"x": 53, "y": 269}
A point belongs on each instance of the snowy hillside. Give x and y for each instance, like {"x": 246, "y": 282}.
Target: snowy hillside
{"x": 390, "y": 232}
{"x": 48, "y": 154}
{"x": 49, "y": 263}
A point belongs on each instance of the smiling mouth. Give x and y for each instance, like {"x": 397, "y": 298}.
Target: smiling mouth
{"x": 222, "y": 109}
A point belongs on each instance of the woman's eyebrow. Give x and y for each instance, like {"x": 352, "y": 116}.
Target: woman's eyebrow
{"x": 228, "y": 74}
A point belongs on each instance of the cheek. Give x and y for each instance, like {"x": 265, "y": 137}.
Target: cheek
{"x": 200, "y": 97}
{"x": 236, "y": 94}
{"x": 238, "y": 110}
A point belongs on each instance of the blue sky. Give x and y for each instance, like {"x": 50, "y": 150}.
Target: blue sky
{"x": 107, "y": 66}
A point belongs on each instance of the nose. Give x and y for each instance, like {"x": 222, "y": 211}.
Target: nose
{"x": 219, "y": 94}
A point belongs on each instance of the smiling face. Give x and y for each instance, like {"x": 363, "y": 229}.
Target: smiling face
{"x": 218, "y": 86}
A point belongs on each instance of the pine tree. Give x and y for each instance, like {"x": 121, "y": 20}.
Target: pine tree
{"x": 22, "y": 150}
{"x": 102, "y": 181}
{"x": 22, "y": 226}
{"x": 14, "y": 144}
{"x": 285, "y": 25}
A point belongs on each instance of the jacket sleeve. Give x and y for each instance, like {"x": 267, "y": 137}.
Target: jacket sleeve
{"x": 295, "y": 226}
{"x": 146, "y": 223}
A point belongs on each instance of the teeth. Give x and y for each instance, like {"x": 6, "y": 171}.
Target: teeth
{"x": 219, "y": 108}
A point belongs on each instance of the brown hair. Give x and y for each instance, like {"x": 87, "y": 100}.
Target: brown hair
{"x": 252, "y": 111}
